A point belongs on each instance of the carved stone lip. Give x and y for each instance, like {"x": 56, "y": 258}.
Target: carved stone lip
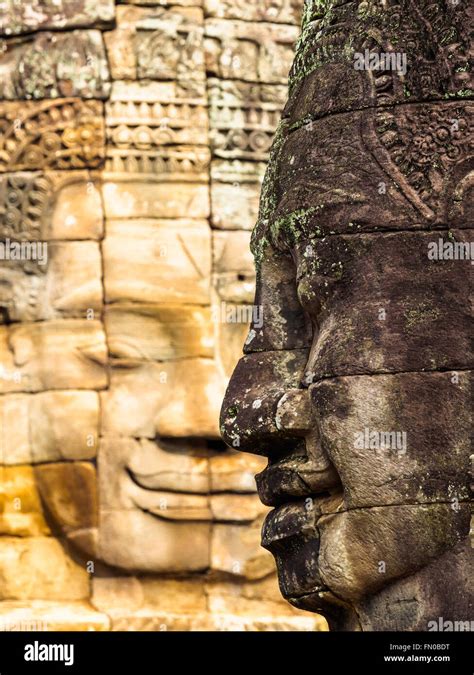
{"x": 205, "y": 505}
{"x": 282, "y": 483}
{"x": 290, "y": 521}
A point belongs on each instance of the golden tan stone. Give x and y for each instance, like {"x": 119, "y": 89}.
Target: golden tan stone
{"x": 69, "y": 489}
{"x": 235, "y": 205}
{"x": 112, "y": 594}
{"x": 234, "y": 472}
{"x": 44, "y": 615}
{"x": 277, "y": 11}
{"x": 236, "y": 508}
{"x": 51, "y": 205}
{"x": 128, "y": 467}
{"x": 155, "y": 261}
{"x": 50, "y": 65}
{"x": 64, "y": 281}
{"x": 173, "y": 399}
{"x": 20, "y": 504}
{"x": 53, "y": 355}
{"x": 233, "y": 267}
{"x": 38, "y": 15}
{"x": 49, "y": 426}
{"x": 152, "y": 199}
{"x": 32, "y": 139}
{"x": 40, "y": 568}
{"x": 170, "y": 546}
{"x": 156, "y": 332}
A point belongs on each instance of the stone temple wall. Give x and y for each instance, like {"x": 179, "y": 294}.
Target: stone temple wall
{"x": 133, "y": 139}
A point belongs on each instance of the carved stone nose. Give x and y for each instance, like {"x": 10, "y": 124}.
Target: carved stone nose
{"x": 294, "y": 412}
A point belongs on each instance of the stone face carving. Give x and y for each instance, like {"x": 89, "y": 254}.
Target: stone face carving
{"x": 356, "y": 387}
{"x": 115, "y": 353}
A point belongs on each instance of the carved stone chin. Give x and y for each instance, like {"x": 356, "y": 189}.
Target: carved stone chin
{"x": 356, "y": 385}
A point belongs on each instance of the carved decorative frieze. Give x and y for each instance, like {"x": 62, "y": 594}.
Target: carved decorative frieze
{"x": 252, "y": 52}
{"x": 60, "y": 134}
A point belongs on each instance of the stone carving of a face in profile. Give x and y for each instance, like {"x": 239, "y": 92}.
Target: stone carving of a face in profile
{"x": 357, "y": 387}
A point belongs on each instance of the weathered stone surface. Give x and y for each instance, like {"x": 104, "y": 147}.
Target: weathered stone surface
{"x": 234, "y": 274}
{"x": 281, "y": 11}
{"x": 236, "y": 549}
{"x": 53, "y": 355}
{"x": 52, "y": 65}
{"x": 157, "y": 332}
{"x": 69, "y": 492}
{"x": 61, "y": 134}
{"x": 153, "y": 261}
{"x": 51, "y": 205}
{"x": 49, "y": 426}
{"x": 171, "y": 546}
{"x": 255, "y": 599}
{"x": 316, "y": 193}
{"x": 45, "y": 615}
{"x": 65, "y": 282}
{"x": 231, "y": 335}
{"x": 39, "y": 15}
{"x": 157, "y": 44}
{"x": 234, "y": 205}
{"x": 143, "y": 603}
{"x": 151, "y": 198}
{"x": 392, "y": 326}
{"x": 150, "y": 621}
{"x": 157, "y": 129}
{"x": 329, "y": 73}
{"x": 421, "y": 534}
{"x": 21, "y": 513}
{"x": 243, "y": 117}
{"x": 363, "y": 320}
{"x": 250, "y": 52}
{"x": 40, "y": 568}
{"x": 145, "y": 400}
{"x": 420, "y": 460}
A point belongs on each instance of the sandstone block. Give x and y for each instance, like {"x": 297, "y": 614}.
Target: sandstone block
{"x": 53, "y": 355}
{"x": 152, "y": 199}
{"x": 253, "y": 52}
{"x": 155, "y": 261}
{"x": 40, "y": 568}
{"x": 157, "y": 44}
{"x": 173, "y": 399}
{"x": 154, "y": 332}
{"x": 52, "y": 205}
{"x": 49, "y": 426}
{"x": 37, "y": 15}
{"x": 51, "y": 65}
{"x": 45, "y": 615}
